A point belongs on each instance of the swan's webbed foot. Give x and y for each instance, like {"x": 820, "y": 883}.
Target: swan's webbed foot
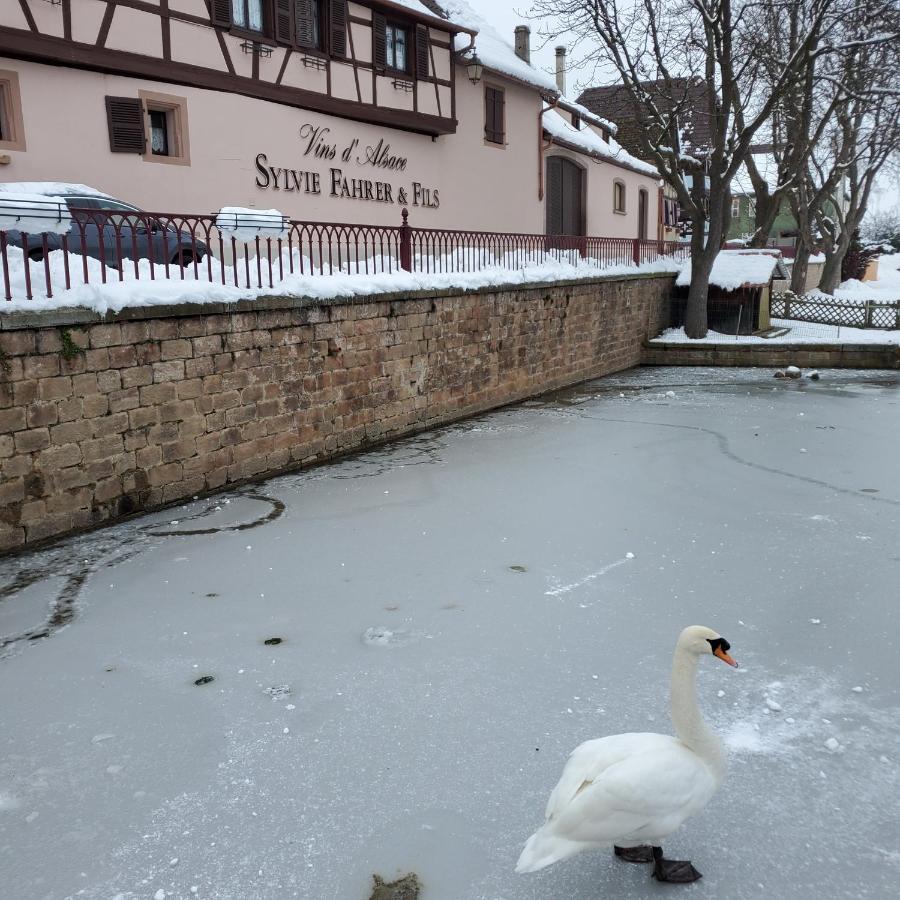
{"x": 640, "y": 854}
{"x": 676, "y": 871}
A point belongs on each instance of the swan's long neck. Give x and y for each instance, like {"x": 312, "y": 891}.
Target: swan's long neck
{"x": 689, "y": 724}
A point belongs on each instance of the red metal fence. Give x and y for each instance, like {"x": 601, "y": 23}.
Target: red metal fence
{"x": 102, "y": 247}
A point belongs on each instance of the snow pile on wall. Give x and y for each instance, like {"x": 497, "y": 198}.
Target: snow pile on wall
{"x": 49, "y": 188}
{"x": 734, "y": 269}
{"x": 34, "y": 213}
{"x": 132, "y": 292}
{"x": 245, "y": 225}
{"x": 591, "y": 142}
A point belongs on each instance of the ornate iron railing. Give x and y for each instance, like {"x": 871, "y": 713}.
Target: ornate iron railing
{"x": 104, "y": 246}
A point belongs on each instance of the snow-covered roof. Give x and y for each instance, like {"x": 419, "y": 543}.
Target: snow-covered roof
{"x": 586, "y": 115}
{"x": 587, "y": 141}
{"x": 497, "y": 53}
{"x": 424, "y": 12}
{"x": 49, "y": 188}
{"x": 734, "y": 269}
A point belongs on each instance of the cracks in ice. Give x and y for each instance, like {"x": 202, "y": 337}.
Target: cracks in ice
{"x": 726, "y": 451}
{"x": 214, "y": 506}
{"x": 566, "y": 588}
{"x": 77, "y": 559}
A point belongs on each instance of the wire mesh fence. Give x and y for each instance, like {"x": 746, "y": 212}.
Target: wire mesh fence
{"x": 828, "y": 310}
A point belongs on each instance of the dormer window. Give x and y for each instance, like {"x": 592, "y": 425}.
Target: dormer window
{"x": 247, "y": 14}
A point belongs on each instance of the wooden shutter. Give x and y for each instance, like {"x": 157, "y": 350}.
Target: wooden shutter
{"x": 554, "y": 196}
{"x": 493, "y": 115}
{"x": 338, "y": 23}
{"x": 304, "y": 23}
{"x": 422, "y": 44}
{"x": 573, "y": 198}
{"x": 125, "y": 118}
{"x": 283, "y": 14}
{"x": 220, "y": 13}
{"x": 379, "y": 41}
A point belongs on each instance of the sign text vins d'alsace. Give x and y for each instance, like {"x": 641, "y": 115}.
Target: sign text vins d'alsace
{"x": 316, "y": 144}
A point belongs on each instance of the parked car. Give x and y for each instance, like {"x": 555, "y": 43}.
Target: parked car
{"x": 108, "y": 229}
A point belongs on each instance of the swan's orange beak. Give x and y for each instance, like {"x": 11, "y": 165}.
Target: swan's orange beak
{"x": 724, "y": 657}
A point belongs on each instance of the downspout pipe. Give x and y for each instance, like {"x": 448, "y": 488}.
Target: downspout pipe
{"x": 542, "y": 148}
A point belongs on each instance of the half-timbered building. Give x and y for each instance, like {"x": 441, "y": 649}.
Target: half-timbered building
{"x": 331, "y": 110}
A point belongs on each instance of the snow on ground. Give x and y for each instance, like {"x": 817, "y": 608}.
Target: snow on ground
{"x": 433, "y": 675}
{"x": 800, "y": 333}
{"x": 885, "y": 289}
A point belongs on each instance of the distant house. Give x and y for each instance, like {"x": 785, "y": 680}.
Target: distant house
{"x": 686, "y": 98}
{"x": 742, "y": 223}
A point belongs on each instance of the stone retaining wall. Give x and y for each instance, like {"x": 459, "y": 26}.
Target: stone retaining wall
{"x": 822, "y": 356}
{"x": 104, "y": 416}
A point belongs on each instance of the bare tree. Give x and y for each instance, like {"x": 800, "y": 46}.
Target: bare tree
{"x": 866, "y": 133}
{"x": 654, "y": 46}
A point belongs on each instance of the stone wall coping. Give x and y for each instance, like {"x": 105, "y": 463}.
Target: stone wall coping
{"x": 76, "y": 315}
{"x": 766, "y": 348}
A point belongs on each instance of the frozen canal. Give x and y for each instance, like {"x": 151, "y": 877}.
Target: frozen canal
{"x": 455, "y": 613}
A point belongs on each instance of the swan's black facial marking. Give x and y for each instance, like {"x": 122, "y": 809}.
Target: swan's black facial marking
{"x": 719, "y": 643}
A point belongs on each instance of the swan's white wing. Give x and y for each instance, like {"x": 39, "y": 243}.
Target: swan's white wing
{"x": 644, "y": 796}
{"x": 590, "y": 759}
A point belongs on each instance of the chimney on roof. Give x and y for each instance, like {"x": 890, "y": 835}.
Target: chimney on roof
{"x": 561, "y": 69}
{"x": 523, "y": 42}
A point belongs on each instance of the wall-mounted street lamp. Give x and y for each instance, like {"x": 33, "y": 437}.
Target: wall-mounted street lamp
{"x": 474, "y": 68}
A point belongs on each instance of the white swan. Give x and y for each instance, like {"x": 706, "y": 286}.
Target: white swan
{"x": 632, "y": 790}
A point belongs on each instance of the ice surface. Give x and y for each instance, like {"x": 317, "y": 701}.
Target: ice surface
{"x": 436, "y": 756}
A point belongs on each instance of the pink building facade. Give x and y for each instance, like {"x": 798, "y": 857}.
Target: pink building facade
{"x": 326, "y": 110}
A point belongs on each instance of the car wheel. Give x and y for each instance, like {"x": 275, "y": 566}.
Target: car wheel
{"x": 185, "y": 258}
{"x": 36, "y": 255}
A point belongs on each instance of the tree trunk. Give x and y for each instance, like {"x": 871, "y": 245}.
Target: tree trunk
{"x": 800, "y": 267}
{"x": 703, "y": 255}
{"x": 831, "y": 271}
{"x": 766, "y": 213}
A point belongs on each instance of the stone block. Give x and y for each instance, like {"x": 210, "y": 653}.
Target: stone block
{"x": 39, "y": 414}
{"x": 209, "y": 345}
{"x": 113, "y": 423}
{"x": 135, "y": 332}
{"x": 102, "y": 448}
{"x": 97, "y": 405}
{"x": 143, "y": 416}
{"x": 197, "y": 368}
{"x": 17, "y": 343}
{"x": 34, "y": 439}
{"x": 146, "y": 354}
{"x": 12, "y": 419}
{"x": 12, "y": 490}
{"x": 178, "y": 450}
{"x": 163, "y": 329}
{"x": 128, "y": 398}
{"x": 148, "y": 457}
{"x": 173, "y": 370}
{"x": 106, "y": 335}
{"x": 155, "y": 394}
{"x": 122, "y": 357}
{"x": 109, "y": 381}
{"x": 41, "y": 366}
{"x": 55, "y": 388}
{"x": 175, "y": 349}
{"x": 24, "y": 392}
{"x": 70, "y": 410}
{"x": 11, "y": 536}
